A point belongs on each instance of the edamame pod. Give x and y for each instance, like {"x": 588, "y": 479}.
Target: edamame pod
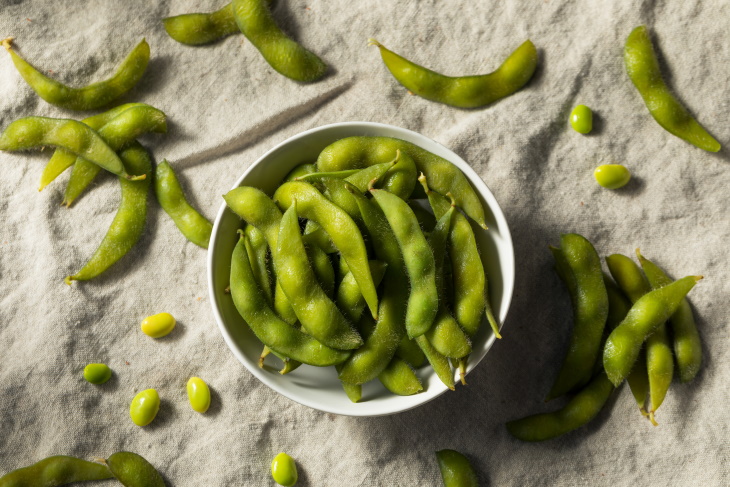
{"x": 74, "y": 136}
{"x": 89, "y": 97}
{"x": 456, "y": 471}
{"x": 201, "y": 28}
{"x": 258, "y": 255}
{"x": 287, "y": 57}
{"x": 299, "y": 171}
{"x": 128, "y": 223}
{"x": 440, "y": 364}
{"x": 642, "y": 67}
{"x": 444, "y": 177}
{"x": 194, "y": 226}
{"x": 419, "y": 261}
{"x": 400, "y": 379}
{"x": 55, "y": 471}
{"x": 590, "y": 308}
{"x": 134, "y": 471}
{"x": 463, "y": 91}
{"x": 318, "y": 315}
{"x": 360, "y": 178}
{"x": 117, "y": 133}
{"x": 582, "y": 408}
{"x": 276, "y": 334}
{"x": 687, "y": 344}
{"x": 409, "y": 351}
{"x": 651, "y": 310}
{"x": 339, "y": 227}
{"x": 349, "y": 297}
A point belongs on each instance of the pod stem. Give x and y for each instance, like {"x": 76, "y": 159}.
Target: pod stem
{"x": 651, "y": 418}
{"x": 373, "y": 42}
{"x": 136, "y": 178}
{"x": 462, "y": 371}
{"x": 68, "y": 280}
{"x": 7, "y": 43}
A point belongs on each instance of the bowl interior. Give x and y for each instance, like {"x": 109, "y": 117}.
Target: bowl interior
{"x": 316, "y": 387}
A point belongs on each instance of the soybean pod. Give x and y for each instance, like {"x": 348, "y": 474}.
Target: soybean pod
{"x": 133, "y": 470}
{"x": 93, "y": 96}
{"x": 55, "y": 471}
{"x": 456, "y": 471}
{"x": 196, "y": 29}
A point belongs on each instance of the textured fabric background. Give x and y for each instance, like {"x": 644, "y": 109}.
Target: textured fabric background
{"x": 226, "y": 107}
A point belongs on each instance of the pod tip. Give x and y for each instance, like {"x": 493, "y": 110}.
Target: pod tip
{"x": 373, "y": 42}
{"x": 68, "y": 280}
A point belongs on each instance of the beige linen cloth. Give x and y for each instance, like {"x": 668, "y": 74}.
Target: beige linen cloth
{"x": 226, "y": 107}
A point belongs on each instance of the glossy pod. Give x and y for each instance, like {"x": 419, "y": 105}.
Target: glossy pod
{"x": 642, "y": 67}
{"x": 464, "y": 91}
{"x": 144, "y": 407}
{"x": 97, "y": 373}
{"x": 93, "y": 96}
{"x": 287, "y": 57}
{"x": 456, "y": 471}
{"x": 133, "y": 470}
{"x": 194, "y": 226}
{"x": 198, "y": 394}
{"x": 128, "y": 223}
{"x": 201, "y": 28}
{"x": 55, "y": 471}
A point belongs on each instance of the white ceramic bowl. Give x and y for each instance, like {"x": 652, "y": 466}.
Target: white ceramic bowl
{"x": 317, "y": 387}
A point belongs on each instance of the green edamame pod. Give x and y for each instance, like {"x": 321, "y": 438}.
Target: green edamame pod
{"x": 349, "y": 297}
{"x": 133, "y": 470}
{"x": 287, "y": 57}
{"x": 425, "y": 218}
{"x": 464, "y": 91}
{"x": 444, "y": 177}
{"x": 360, "y": 178}
{"x": 440, "y": 364}
{"x": 628, "y": 276}
{"x": 651, "y": 310}
{"x": 117, "y": 133}
{"x": 642, "y": 67}
{"x": 322, "y": 267}
{"x": 74, "y": 136}
{"x": 318, "y": 315}
{"x": 420, "y": 266}
{"x": 201, "y": 28}
{"x": 299, "y": 171}
{"x": 315, "y": 235}
{"x": 399, "y": 378}
{"x": 283, "y": 306}
{"x": 456, "y": 471}
{"x": 62, "y": 159}
{"x": 590, "y": 309}
{"x": 582, "y": 408}
{"x": 276, "y": 334}
{"x": 128, "y": 223}
{"x": 258, "y": 255}
{"x": 687, "y": 344}
{"x": 659, "y": 368}
{"x": 194, "y": 226}
{"x": 409, "y": 351}
{"x": 54, "y": 471}
{"x": 340, "y": 227}
{"x": 93, "y": 96}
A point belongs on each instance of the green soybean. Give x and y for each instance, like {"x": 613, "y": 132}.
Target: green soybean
{"x": 349, "y": 297}
{"x": 612, "y": 176}
{"x": 581, "y": 408}
{"x": 198, "y": 394}
{"x": 456, "y": 470}
{"x": 133, "y": 470}
{"x": 284, "y": 470}
{"x": 144, "y": 407}
{"x": 89, "y": 97}
{"x": 590, "y": 310}
{"x": 201, "y": 28}
{"x": 194, "y": 226}
{"x": 581, "y": 119}
{"x": 128, "y": 223}
{"x": 400, "y": 379}
{"x": 287, "y": 57}
{"x": 71, "y": 135}
{"x": 642, "y": 67}
{"x": 464, "y": 91}
{"x": 651, "y": 310}
{"x": 687, "y": 344}
{"x": 443, "y": 176}
{"x": 97, "y": 373}
{"x": 55, "y": 471}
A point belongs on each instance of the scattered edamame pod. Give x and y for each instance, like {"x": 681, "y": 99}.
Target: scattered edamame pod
{"x": 642, "y": 67}
{"x": 97, "y": 373}
{"x": 284, "y": 470}
{"x": 128, "y": 223}
{"x": 198, "y": 394}
{"x": 192, "y": 224}
{"x": 144, "y": 407}
{"x": 287, "y": 57}
{"x": 581, "y": 119}
{"x": 159, "y": 325}
{"x": 456, "y": 470}
{"x": 612, "y": 176}
{"x": 201, "y": 28}
{"x": 74, "y": 136}
{"x": 89, "y": 97}
{"x": 133, "y": 470}
{"x": 464, "y": 91}
{"x": 55, "y": 471}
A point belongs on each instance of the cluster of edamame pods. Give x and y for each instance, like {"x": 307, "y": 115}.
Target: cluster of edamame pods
{"x": 619, "y": 333}
{"x": 368, "y": 245}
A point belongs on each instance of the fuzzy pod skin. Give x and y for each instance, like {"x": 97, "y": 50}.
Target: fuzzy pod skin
{"x": 55, "y": 471}
{"x": 400, "y": 379}
{"x": 133, "y": 470}
{"x": 642, "y": 67}
{"x": 463, "y": 91}
{"x": 456, "y": 470}
{"x": 196, "y": 29}
{"x": 89, "y": 97}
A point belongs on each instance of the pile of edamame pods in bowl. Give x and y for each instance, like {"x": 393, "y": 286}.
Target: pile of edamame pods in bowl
{"x": 342, "y": 267}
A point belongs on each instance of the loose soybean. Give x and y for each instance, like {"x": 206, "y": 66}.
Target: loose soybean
{"x": 97, "y": 373}
{"x": 144, "y": 407}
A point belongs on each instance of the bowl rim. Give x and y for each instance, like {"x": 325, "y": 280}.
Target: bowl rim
{"x": 357, "y": 126}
